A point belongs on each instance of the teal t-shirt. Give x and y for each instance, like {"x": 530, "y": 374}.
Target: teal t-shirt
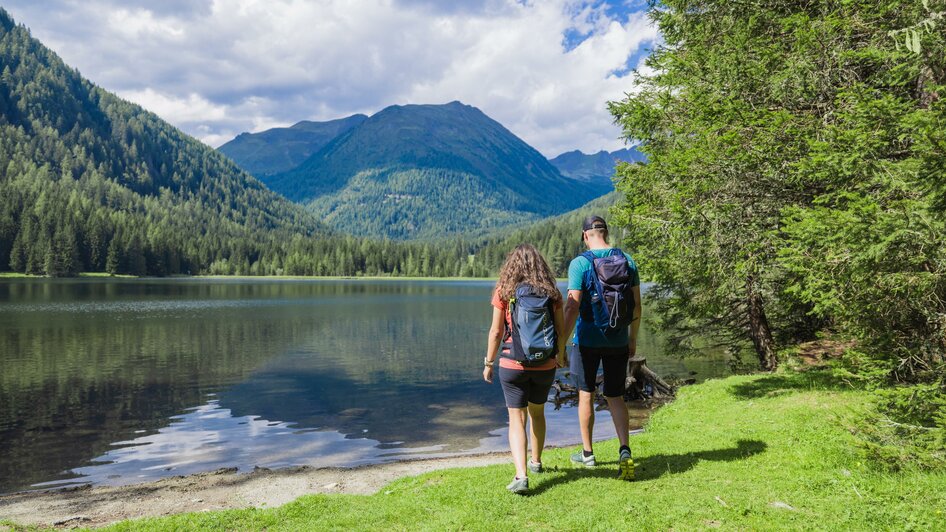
{"x": 586, "y": 333}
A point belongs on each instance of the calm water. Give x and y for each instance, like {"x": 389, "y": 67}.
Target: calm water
{"x": 120, "y": 381}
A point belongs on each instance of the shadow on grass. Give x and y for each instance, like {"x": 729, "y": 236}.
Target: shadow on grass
{"x": 655, "y": 466}
{"x": 780, "y": 384}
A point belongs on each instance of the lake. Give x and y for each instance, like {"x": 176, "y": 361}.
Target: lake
{"x": 117, "y": 381}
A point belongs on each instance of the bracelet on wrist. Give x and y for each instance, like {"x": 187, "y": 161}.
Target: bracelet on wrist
{"x": 487, "y": 363}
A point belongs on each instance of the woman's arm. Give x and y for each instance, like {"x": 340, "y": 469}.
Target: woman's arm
{"x": 492, "y": 344}
{"x": 562, "y": 357}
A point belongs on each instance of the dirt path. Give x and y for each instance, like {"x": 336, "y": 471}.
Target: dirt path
{"x": 217, "y": 490}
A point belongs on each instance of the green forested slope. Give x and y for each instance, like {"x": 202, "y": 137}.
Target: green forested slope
{"x": 558, "y": 238}
{"x": 91, "y": 182}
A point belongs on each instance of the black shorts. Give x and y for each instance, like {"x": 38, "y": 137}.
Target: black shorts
{"x": 525, "y": 386}
{"x": 584, "y": 368}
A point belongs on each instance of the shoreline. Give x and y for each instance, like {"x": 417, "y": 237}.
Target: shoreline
{"x": 100, "y": 275}
{"x": 222, "y": 489}
{"x": 227, "y": 488}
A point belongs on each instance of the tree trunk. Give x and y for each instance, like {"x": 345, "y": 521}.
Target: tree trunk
{"x": 759, "y": 329}
{"x": 641, "y": 384}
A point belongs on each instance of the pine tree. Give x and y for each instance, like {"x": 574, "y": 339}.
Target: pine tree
{"x": 113, "y": 257}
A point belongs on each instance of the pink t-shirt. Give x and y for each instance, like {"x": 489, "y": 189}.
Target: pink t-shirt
{"x": 509, "y": 363}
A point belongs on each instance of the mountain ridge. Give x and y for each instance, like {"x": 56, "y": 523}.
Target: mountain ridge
{"x": 420, "y": 164}
{"x": 595, "y": 167}
{"x": 283, "y": 148}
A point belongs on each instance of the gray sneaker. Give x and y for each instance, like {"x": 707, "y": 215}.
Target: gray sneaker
{"x": 580, "y": 458}
{"x": 626, "y": 463}
{"x": 519, "y": 485}
{"x": 535, "y": 467}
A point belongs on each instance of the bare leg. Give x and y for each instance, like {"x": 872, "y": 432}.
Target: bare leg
{"x": 620, "y": 417}
{"x": 517, "y": 439}
{"x": 537, "y": 430}
{"x": 586, "y": 418}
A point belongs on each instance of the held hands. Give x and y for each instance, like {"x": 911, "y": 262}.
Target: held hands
{"x": 561, "y": 360}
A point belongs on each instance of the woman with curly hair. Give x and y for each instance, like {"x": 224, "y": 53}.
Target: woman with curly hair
{"x": 525, "y": 386}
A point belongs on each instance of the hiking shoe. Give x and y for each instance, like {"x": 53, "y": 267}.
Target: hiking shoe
{"x": 535, "y": 467}
{"x": 519, "y": 485}
{"x": 626, "y": 463}
{"x": 580, "y": 458}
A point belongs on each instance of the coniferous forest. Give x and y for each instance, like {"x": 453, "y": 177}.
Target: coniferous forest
{"x": 795, "y": 191}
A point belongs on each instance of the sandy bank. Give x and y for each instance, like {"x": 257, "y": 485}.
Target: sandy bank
{"x": 217, "y": 490}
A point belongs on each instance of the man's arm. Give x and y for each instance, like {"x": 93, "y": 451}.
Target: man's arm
{"x": 572, "y": 303}
{"x": 636, "y": 324}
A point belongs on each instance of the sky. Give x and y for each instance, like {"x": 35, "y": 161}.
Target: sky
{"x": 545, "y": 69}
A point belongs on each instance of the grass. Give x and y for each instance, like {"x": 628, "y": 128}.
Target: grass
{"x": 17, "y": 275}
{"x": 746, "y": 452}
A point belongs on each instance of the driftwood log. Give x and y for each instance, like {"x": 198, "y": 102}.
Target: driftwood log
{"x": 641, "y": 386}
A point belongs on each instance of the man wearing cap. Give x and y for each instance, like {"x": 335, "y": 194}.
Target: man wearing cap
{"x": 596, "y": 350}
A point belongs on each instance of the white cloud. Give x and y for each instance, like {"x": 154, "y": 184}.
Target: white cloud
{"x": 138, "y": 23}
{"x": 219, "y": 67}
{"x": 191, "y": 109}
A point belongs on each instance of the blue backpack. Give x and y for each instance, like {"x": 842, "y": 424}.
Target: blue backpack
{"x": 533, "y": 339}
{"x": 612, "y": 295}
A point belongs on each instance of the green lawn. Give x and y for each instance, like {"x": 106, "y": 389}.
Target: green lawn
{"x": 746, "y": 452}
{"x": 16, "y": 275}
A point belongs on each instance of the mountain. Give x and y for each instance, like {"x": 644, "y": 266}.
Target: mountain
{"x": 427, "y": 171}
{"x": 595, "y": 168}
{"x": 92, "y": 182}
{"x": 284, "y": 148}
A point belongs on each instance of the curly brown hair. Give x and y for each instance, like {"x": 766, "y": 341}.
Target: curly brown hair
{"x": 525, "y": 264}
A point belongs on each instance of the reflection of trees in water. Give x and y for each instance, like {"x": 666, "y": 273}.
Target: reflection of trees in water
{"x": 85, "y": 366}
{"x": 72, "y": 385}
{"x": 87, "y": 363}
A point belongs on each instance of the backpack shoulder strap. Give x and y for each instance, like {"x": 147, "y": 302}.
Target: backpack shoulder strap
{"x": 589, "y": 256}
{"x": 615, "y": 251}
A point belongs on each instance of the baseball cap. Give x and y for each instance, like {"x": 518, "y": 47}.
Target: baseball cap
{"x": 593, "y": 222}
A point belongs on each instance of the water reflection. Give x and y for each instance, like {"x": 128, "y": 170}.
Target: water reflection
{"x": 114, "y": 379}
{"x": 211, "y": 437}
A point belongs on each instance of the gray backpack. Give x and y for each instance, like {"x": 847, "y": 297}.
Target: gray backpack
{"x": 533, "y": 339}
